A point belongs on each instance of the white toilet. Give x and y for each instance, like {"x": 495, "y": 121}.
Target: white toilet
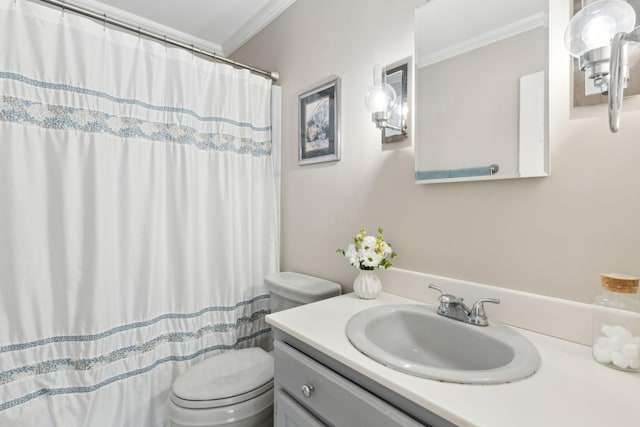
{"x": 235, "y": 388}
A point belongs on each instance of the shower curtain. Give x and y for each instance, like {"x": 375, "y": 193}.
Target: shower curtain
{"x": 138, "y": 217}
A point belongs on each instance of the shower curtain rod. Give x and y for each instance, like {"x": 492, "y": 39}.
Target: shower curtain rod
{"x": 273, "y": 75}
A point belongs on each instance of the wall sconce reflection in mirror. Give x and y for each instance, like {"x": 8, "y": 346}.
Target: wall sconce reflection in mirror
{"x": 387, "y": 101}
{"x": 598, "y": 36}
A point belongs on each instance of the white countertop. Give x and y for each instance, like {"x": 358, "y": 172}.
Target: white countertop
{"x": 570, "y": 388}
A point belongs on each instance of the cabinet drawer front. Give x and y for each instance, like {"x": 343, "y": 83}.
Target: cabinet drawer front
{"x": 329, "y": 395}
{"x": 291, "y": 414}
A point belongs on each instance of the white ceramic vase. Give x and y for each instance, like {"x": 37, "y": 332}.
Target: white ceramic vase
{"x": 367, "y": 284}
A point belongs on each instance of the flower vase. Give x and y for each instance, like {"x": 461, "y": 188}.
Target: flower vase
{"x": 367, "y": 284}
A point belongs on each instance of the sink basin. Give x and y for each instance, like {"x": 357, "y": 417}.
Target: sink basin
{"x": 416, "y": 340}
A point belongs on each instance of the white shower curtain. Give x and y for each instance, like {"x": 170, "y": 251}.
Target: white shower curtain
{"x": 138, "y": 217}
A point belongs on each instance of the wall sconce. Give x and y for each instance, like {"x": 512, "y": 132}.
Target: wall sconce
{"x": 597, "y": 36}
{"x": 382, "y": 101}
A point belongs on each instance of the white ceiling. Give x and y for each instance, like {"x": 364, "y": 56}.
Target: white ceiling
{"x": 218, "y": 25}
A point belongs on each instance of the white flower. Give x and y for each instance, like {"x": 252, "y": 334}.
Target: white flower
{"x": 368, "y": 252}
{"x": 370, "y": 258}
{"x": 352, "y": 254}
{"x": 385, "y": 249}
{"x": 369, "y": 243}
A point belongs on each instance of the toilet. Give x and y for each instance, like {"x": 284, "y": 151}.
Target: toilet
{"x": 235, "y": 388}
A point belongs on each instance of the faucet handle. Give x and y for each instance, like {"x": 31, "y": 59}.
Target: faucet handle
{"x": 446, "y": 296}
{"x": 478, "y": 316}
{"x": 445, "y": 300}
{"x": 442, "y": 291}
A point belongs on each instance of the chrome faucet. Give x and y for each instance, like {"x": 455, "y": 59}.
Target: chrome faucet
{"x": 455, "y": 308}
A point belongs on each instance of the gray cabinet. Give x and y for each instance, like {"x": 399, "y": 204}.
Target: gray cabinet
{"x": 308, "y": 394}
{"x": 291, "y": 414}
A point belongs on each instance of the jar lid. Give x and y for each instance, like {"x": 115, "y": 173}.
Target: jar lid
{"x": 621, "y": 283}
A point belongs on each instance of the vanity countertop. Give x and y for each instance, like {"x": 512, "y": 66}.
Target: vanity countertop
{"x": 569, "y": 389}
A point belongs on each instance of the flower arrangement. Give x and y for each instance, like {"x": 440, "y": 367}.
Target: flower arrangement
{"x": 368, "y": 252}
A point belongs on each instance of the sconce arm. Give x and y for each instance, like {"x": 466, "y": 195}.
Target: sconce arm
{"x": 397, "y": 129}
{"x": 381, "y": 120}
{"x": 617, "y": 62}
{"x": 616, "y": 86}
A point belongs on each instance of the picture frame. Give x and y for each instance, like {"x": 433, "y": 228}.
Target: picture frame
{"x": 319, "y": 123}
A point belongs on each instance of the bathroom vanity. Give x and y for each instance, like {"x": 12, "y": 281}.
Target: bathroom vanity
{"x": 320, "y": 378}
{"x": 307, "y": 390}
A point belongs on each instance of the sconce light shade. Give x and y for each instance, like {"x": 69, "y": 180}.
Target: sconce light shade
{"x": 388, "y": 107}
{"x": 595, "y": 25}
{"x": 381, "y": 97}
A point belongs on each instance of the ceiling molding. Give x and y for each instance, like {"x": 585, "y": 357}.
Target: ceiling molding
{"x": 259, "y": 21}
{"x": 147, "y": 24}
{"x": 502, "y": 33}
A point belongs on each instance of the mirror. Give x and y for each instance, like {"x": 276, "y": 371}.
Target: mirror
{"x": 481, "y": 90}
{"x": 397, "y": 75}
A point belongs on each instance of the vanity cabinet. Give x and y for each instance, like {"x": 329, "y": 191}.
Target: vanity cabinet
{"x": 309, "y": 394}
{"x": 289, "y": 413}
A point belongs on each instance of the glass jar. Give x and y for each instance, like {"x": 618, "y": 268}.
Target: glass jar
{"x": 616, "y": 323}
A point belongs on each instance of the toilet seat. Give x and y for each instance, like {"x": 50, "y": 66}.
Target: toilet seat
{"x": 225, "y": 379}
{"x": 217, "y": 403}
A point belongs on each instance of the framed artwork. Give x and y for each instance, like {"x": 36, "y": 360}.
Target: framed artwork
{"x": 318, "y": 124}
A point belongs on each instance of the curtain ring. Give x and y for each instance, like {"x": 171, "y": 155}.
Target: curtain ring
{"x": 104, "y": 22}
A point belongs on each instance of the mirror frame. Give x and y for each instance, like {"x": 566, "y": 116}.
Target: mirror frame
{"x": 479, "y": 174}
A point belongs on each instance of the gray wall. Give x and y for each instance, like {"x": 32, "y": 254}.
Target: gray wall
{"x": 551, "y": 236}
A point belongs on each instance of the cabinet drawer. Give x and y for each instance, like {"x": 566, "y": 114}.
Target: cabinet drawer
{"x": 330, "y": 396}
{"x": 290, "y": 413}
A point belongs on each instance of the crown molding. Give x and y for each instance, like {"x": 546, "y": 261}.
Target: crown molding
{"x": 510, "y": 30}
{"x": 259, "y": 21}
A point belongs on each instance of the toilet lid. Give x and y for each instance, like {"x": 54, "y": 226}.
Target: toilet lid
{"x": 228, "y": 376}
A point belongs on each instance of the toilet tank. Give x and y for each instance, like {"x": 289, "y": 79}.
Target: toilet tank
{"x": 289, "y": 289}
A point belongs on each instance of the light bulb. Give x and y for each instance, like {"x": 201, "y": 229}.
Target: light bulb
{"x": 599, "y": 31}
{"x": 381, "y": 97}
{"x": 595, "y": 25}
